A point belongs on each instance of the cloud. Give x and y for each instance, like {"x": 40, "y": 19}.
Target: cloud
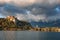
{"x": 31, "y": 14}
{"x": 24, "y": 3}
{"x": 18, "y": 3}
{"x": 30, "y": 10}
{"x": 30, "y": 17}
{"x": 37, "y": 14}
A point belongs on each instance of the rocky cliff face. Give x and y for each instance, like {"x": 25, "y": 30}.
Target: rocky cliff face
{"x": 7, "y": 23}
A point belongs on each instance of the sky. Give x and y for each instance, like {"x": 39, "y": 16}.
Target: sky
{"x": 31, "y": 10}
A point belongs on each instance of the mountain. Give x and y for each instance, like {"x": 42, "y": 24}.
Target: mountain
{"x": 12, "y": 22}
{"x": 55, "y": 23}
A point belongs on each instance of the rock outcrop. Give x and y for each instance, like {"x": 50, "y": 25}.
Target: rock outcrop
{"x": 12, "y": 22}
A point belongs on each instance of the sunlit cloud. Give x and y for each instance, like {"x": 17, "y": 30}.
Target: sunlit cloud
{"x": 31, "y": 10}
{"x": 31, "y": 2}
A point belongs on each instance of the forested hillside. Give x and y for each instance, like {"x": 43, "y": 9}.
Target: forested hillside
{"x": 5, "y": 23}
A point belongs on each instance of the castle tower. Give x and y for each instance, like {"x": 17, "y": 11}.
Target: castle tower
{"x": 11, "y": 18}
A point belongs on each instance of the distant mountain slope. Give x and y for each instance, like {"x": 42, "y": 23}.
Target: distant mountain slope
{"x": 55, "y": 23}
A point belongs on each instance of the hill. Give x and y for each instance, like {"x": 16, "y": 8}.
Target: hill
{"x": 55, "y": 23}
{"x": 12, "y": 22}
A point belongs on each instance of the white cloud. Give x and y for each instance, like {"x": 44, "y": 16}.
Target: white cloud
{"x": 30, "y": 17}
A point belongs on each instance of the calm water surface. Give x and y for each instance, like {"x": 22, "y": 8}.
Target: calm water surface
{"x": 29, "y": 35}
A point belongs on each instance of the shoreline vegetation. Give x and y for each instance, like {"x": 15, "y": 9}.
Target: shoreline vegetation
{"x": 43, "y": 29}
{"x": 10, "y": 23}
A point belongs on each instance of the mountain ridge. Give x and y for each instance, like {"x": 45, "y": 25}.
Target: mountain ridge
{"x": 55, "y": 23}
{"x": 12, "y": 22}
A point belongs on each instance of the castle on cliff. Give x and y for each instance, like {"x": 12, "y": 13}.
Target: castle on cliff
{"x": 11, "y": 18}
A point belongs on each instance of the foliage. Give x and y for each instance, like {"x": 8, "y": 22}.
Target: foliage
{"x": 4, "y": 23}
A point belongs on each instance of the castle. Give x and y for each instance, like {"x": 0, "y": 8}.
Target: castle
{"x": 11, "y": 18}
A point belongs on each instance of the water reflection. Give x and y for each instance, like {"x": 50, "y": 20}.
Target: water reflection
{"x": 28, "y": 35}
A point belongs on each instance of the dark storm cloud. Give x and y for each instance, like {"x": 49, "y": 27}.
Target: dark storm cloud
{"x": 9, "y": 9}
{"x": 32, "y": 9}
{"x": 13, "y": 9}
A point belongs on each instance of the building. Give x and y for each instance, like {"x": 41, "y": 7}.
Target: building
{"x": 11, "y": 18}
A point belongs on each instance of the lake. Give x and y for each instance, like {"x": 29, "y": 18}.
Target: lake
{"x": 29, "y": 35}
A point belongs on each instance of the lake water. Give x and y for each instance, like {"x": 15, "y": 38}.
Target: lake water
{"x": 29, "y": 35}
